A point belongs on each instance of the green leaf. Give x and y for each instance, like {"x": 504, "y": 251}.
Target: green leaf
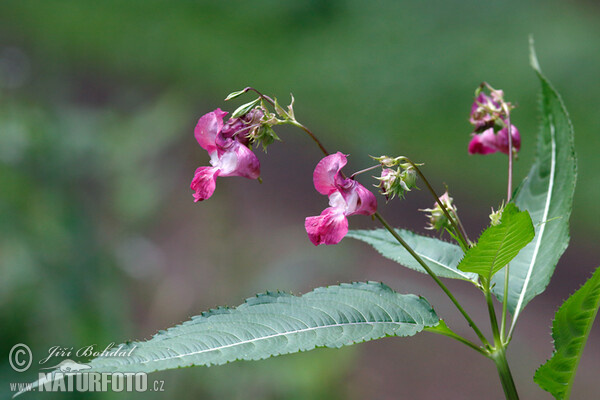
{"x": 499, "y": 244}
{"x": 547, "y": 193}
{"x": 244, "y": 108}
{"x": 570, "y": 330}
{"x": 442, "y": 257}
{"x": 233, "y": 95}
{"x": 277, "y": 323}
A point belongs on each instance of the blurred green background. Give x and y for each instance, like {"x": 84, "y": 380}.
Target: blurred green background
{"x": 100, "y": 240}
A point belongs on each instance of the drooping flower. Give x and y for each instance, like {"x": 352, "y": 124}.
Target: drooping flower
{"x": 229, "y": 155}
{"x": 346, "y": 197}
{"x": 490, "y": 117}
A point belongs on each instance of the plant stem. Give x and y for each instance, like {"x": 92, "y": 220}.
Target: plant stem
{"x": 312, "y": 136}
{"x": 492, "y": 312}
{"x": 510, "y": 156}
{"x": 458, "y": 228}
{"x": 508, "y": 385}
{"x": 434, "y": 276}
{"x": 508, "y": 198}
{"x": 499, "y": 352}
{"x": 504, "y": 304}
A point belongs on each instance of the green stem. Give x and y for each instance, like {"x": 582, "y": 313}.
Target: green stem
{"x": 508, "y": 385}
{"x": 498, "y": 354}
{"x": 508, "y": 198}
{"x": 434, "y": 276}
{"x": 504, "y": 305}
{"x": 492, "y": 312}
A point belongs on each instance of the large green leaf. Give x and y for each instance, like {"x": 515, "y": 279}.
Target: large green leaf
{"x": 442, "y": 257}
{"x": 570, "y": 330}
{"x": 277, "y": 323}
{"x": 547, "y": 194}
{"x": 499, "y": 244}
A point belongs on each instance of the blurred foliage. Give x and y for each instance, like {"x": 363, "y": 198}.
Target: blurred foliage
{"x": 99, "y": 241}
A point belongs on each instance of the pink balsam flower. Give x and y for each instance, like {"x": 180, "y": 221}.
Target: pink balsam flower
{"x": 346, "y": 197}
{"x": 229, "y": 156}
{"x": 489, "y": 142}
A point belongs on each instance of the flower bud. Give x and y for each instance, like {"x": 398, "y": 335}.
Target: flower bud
{"x": 397, "y": 182}
{"x": 437, "y": 218}
{"x": 496, "y": 216}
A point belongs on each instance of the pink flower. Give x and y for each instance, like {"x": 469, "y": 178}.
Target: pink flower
{"x": 489, "y": 142}
{"x": 228, "y": 156}
{"x": 346, "y": 197}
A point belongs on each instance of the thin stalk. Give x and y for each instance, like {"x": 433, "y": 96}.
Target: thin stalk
{"x": 312, "y": 136}
{"x": 434, "y": 276}
{"x": 504, "y": 304}
{"x": 362, "y": 171}
{"x": 508, "y": 198}
{"x": 449, "y": 333}
{"x": 510, "y": 156}
{"x": 462, "y": 234}
{"x": 492, "y": 312}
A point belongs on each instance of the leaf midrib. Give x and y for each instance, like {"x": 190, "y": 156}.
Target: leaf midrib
{"x": 277, "y": 335}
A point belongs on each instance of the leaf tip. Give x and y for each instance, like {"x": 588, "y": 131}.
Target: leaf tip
{"x": 533, "y": 61}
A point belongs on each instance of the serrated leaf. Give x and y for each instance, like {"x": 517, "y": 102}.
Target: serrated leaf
{"x": 233, "y": 95}
{"x": 547, "y": 194}
{"x": 277, "y": 323}
{"x": 570, "y": 330}
{"x": 499, "y": 244}
{"x": 245, "y": 108}
{"x": 442, "y": 257}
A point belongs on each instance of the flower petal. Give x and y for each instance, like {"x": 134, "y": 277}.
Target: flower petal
{"x": 327, "y": 173}
{"x": 204, "y": 182}
{"x": 366, "y": 203}
{"x": 483, "y": 143}
{"x": 502, "y": 139}
{"x": 238, "y": 160}
{"x": 328, "y": 228}
{"x": 207, "y": 128}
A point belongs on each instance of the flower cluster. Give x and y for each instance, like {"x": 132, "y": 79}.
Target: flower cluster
{"x": 227, "y": 146}
{"x": 396, "y": 182}
{"x": 346, "y": 197}
{"x": 490, "y": 118}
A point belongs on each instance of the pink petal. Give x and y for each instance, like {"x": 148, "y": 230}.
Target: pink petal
{"x": 204, "y": 182}
{"x": 502, "y": 139}
{"x": 207, "y": 128}
{"x": 483, "y": 143}
{"x": 328, "y": 228}
{"x": 366, "y": 204}
{"x": 238, "y": 160}
{"x": 327, "y": 171}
